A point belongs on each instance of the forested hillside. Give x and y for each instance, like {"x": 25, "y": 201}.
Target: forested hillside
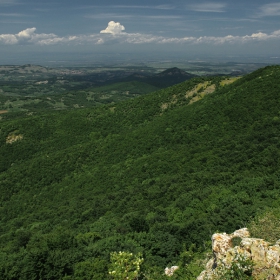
{"x": 155, "y": 175}
{"x": 31, "y": 88}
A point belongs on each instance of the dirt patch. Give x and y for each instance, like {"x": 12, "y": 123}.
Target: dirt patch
{"x": 13, "y": 137}
{"x": 200, "y": 91}
{"x": 3, "y": 111}
{"x": 229, "y": 81}
{"x": 164, "y": 106}
{"x": 174, "y": 100}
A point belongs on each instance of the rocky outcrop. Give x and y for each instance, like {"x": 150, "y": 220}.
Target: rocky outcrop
{"x": 170, "y": 271}
{"x": 253, "y": 256}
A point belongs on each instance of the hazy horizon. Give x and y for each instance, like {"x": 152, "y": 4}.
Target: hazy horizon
{"x": 40, "y": 32}
{"x": 57, "y": 59}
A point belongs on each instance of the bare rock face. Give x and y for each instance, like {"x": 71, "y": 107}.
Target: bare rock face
{"x": 229, "y": 249}
{"x": 170, "y": 271}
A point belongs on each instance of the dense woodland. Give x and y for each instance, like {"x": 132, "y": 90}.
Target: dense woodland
{"x": 138, "y": 177}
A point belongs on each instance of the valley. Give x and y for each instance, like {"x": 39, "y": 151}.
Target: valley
{"x": 32, "y": 88}
{"x": 139, "y": 170}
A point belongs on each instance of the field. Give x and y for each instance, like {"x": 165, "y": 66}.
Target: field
{"x": 30, "y": 88}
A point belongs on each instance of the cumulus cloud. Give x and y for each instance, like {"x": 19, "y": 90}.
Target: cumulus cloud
{"x": 27, "y": 33}
{"x": 113, "y": 28}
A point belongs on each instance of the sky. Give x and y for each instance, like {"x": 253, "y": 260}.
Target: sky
{"x": 129, "y": 29}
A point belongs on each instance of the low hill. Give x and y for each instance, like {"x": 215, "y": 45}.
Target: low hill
{"x": 166, "y": 78}
{"x": 155, "y": 175}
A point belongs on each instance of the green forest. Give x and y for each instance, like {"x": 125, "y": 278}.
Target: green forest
{"x": 154, "y": 176}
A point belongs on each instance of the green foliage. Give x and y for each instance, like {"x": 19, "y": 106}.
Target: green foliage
{"x": 90, "y": 269}
{"x": 266, "y": 225}
{"x": 133, "y": 177}
{"x": 236, "y": 240}
{"x": 125, "y": 265}
{"x": 240, "y": 269}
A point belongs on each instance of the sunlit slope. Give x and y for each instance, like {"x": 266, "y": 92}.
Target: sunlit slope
{"x": 149, "y": 174}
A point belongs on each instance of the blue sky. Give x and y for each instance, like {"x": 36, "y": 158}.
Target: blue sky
{"x": 90, "y": 28}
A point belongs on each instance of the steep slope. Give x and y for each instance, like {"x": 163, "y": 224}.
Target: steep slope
{"x": 156, "y": 174}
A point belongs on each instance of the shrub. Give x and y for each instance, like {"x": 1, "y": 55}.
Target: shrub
{"x": 125, "y": 265}
{"x": 266, "y": 226}
{"x": 240, "y": 269}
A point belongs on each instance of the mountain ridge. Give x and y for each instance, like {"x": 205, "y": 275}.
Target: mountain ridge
{"x": 137, "y": 177}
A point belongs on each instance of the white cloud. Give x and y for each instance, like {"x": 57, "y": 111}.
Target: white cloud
{"x": 8, "y": 39}
{"x": 276, "y": 33}
{"x": 28, "y": 36}
{"x": 114, "y": 35}
{"x": 113, "y": 28}
{"x": 138, "y": 38}
{"x": 272, "y": 9}
{"x": 208, "y": 7}
{"x": 260, "y": 35}
{"x": 27, "y": 33}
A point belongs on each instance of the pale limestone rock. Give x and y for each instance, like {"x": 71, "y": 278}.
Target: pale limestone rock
{"x": 277, "y": 267}
{"x": 246, "y": 243}
{"x": 266, "y": 258}
{"x": 242, "y": 233}
{"x": 221, "y": 242}
{"x": 258, "y": 251}
{"x": 205, "y": 275}
{"x": 232, "y": 253}
{"x": 273, "y": 254}
{"x": 210, "y": 264}
{"x": 170, "y": 271}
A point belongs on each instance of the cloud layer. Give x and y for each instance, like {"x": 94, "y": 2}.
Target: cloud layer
{"x": 28, "y": 36}
{"x": 208, "y": 7}
{"x": 114, "y": 34}
{"x": 272, "y": 9}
